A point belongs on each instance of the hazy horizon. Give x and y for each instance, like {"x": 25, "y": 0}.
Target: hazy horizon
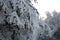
{"x": 46, "y": 5}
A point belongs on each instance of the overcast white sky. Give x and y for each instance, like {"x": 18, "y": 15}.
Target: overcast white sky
{"x": 47, "y": 5}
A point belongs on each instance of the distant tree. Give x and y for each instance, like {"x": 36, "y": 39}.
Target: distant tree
{"x": 54, "y": 23}
{"x": 54, "y": 13}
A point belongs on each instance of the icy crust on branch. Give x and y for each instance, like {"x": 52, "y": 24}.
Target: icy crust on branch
{"x": 19, "y": 20}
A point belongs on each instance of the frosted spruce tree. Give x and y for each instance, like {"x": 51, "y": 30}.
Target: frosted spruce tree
{"x": 19, "y": 20}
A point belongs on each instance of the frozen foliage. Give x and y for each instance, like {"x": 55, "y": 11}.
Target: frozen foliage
{"x": 19, "y": 20}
